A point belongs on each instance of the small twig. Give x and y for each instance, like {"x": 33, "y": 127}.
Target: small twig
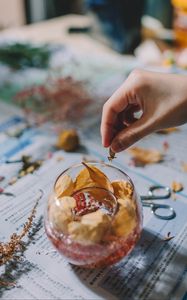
{"x": 8, "y": 250}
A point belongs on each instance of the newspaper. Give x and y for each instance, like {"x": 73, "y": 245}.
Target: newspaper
{"x": 155, "y": 269}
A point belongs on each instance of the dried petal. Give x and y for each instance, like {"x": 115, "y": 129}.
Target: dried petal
{"x": 66, "y": 203}
{"x": 122, "y": 189}
{"x": 176, "y": 186}
{"x": 168, "y": 130}
{"x": 9, "y": 249}
{"x": 143, "y": 156}
{"x": 184, "y": 167}
{"x": 64, "y": 186}
{"x": 125, "y": 221}
{"x": 60, "y": 213}
{"x": 129, "y": 205}
{"x": 168, "y": 237}
{"x": 111, "y": 155}
{"x": 91, "y": 176}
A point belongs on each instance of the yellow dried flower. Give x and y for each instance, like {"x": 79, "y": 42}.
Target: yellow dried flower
{"x": 68, "y": 140}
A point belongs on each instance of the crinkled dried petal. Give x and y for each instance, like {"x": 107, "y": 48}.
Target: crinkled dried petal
{"x": 129, "y": 205}
{"x": 177, "y": 186}
{"x": 64, "y": 186}
{"x": 91, "y": 176}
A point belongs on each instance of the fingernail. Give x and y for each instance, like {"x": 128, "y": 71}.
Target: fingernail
{"x": 117, "y": 146}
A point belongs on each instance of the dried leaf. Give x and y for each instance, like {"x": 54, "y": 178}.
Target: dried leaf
{"x": 111, "y": 155}
{"x": 60, "y": 213}
{"x": 64, "y": 186}
{"x": 129, "y": 205}
{"x": 168, "y": 237}
{"x": 184, "y": 166}
{"x": 68, "y": 140}
{"x": 143, "y": 156}
{"x": 168, "y": 130}
{"x": 176, "y": 186}
{"x": 122, "y": 189}
{"x": 60, "y": 158}
{"x": 66, "y": 203}
{"x": 91, "y": 176}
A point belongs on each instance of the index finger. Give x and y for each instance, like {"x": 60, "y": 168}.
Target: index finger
{"x": 116, "y": 104}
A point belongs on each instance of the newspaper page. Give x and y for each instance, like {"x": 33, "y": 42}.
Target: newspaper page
{"x": 155, "y": 269}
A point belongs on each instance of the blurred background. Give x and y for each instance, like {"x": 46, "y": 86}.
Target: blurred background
{"x": 96, "y": 43}
{"x": 116, "y": 22}
{"x": 120, "y": 24}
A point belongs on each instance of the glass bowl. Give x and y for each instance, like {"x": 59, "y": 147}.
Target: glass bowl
{"x": 94, "y": 215}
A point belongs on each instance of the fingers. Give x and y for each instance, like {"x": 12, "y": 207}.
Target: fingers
{"x": 116, "y": 104}
{"x": 131, "y": 135}
{"x": 128, "y": 116}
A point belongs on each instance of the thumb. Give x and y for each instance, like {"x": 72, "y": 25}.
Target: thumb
{"x": 131, "y": 134}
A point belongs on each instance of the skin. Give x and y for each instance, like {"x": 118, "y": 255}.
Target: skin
{"x": 162, "y": 99}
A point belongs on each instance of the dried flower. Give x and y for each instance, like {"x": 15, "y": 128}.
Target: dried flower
{"x": 122, "y": 189}
{"x": 142, "y": 157}
{"x": 28, "y": 167}
{"x": 61, "y": 215}
{"x": 176, "y": 186}
{"x": 64, "y": 186}
{"x": 8, "y": 250}
{"x": 68, "y": 140}
{"x": 62, "y": 99}
{"x": 91, "y": 228}
{"x": 91, "y": 176}
{"x": 111, "y": 155}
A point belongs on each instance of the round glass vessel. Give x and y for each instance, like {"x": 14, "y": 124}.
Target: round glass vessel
{"x": 94, "y": 215}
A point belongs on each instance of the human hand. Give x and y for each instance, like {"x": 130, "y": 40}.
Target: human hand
{"x": 162, "y": 98}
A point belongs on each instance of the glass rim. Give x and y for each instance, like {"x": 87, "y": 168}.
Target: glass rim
{"x": 76, "y": 165}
